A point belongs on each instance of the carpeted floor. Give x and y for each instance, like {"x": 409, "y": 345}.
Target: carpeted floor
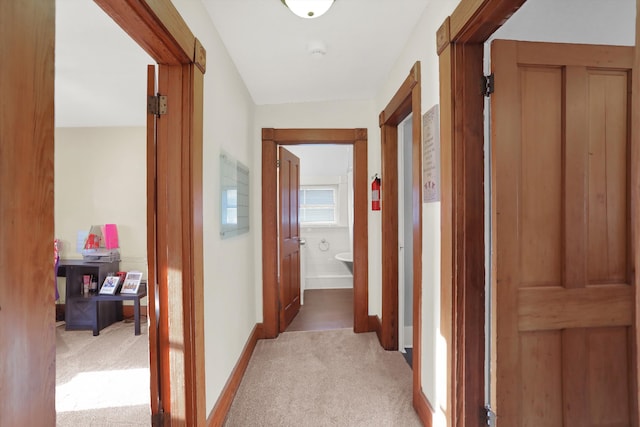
{"x": 324, "y": 378}
{"x": 102, "y": 381}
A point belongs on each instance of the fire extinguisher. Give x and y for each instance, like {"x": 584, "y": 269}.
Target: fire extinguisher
{"x": 375, "y": 193}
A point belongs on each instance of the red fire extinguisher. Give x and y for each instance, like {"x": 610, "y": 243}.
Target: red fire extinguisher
{"x": 375, "y": 193}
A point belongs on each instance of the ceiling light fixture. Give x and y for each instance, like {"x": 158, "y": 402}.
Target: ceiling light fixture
{"x": 308, "y": 8}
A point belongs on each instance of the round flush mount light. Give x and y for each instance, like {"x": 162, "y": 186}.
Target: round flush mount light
{"x": 308, "y": 8}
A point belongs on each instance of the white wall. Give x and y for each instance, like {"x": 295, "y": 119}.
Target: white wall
{"x": 229, "y": 267}
{"x": 100, "y": 177}
{"x": 338, "y": 114}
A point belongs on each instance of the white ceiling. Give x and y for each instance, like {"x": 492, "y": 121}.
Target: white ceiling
{"x": 269, "y": 45}
{"x": 101, "y": 72}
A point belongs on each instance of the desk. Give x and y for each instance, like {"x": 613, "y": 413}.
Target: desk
{"x": 82, "y": 312}
{"x": 142, "y": 292}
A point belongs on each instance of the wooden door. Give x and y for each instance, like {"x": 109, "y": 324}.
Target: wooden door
{"x": 27, "y": 292}
{"x": 562, "y": 284}
{"x": 289, "y": 237}
{"x": 153, "y": 309}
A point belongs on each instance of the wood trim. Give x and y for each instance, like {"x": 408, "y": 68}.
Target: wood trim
{"x": 389, "y": 144}
{"x": 635, "y": 214}
{"x": 447, "y": 270}
{"x": 27, "y": 306}
{"x": 156, "y": 26}
{"x": 270, "y": 295}
{"x": 152, "y": 247}
{"x": 361, "y": 229}
{"x": 443, "y": 35}
{"x": 400, "y": 106}
{"x": 375, "y": 326}
{"x": 462, "y": 210}
{"x": 422, "y": 406}
{"x": 223, "y": 404}
{"x": 170, "y": 260}
{"x": 469, "y": 292}
{"x": 420, "y": 401}
{"x": 407, "y": 100}
{"x": 271, "y": 138}
{"x": 192, "y": 198}
{"x": 159, "y": 29}
{"x": 316, "y": 136}
{"x": 473, "y": 21}
{"x": 200, "y": 56}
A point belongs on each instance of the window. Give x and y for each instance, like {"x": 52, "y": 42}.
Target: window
{"x": 234, "y": 197}
{"x": 318, "y": 205}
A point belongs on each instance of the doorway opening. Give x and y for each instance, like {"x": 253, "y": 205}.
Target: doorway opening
{"x": 326, "y": 237}
{"x": 99, "y": 170}
{"x": 405, "y": 239}
{"x": 271, "y": 139}
{"x": 405, "y": 102}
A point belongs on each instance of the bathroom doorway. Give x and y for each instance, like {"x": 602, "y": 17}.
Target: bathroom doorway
{"x": 326, "y": 237}
{"x": 357, "y": 139}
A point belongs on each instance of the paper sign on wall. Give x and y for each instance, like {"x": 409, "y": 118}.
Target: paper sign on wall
{"x": 431, "y": 156}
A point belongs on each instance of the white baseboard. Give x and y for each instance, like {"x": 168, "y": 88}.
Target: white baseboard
{"x": 329, "y": 282}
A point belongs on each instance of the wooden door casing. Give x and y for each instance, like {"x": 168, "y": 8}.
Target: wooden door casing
{"x": 563, "y": 292}
{"x": 175, "y": 251}
{"x": 289, "y": 236}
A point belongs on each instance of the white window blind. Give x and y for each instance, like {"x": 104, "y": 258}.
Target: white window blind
{"x": 318, "y": 205}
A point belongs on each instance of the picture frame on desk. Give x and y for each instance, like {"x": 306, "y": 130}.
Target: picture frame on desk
{"x": 110, "y": 285}
{"x": 131, "y": 282}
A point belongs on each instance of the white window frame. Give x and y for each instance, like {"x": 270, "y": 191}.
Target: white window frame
{"x": 335, "y": 206}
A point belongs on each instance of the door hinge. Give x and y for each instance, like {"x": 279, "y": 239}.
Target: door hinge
{"x": 158, "y": 419}
{"x": 488, "y": 85}
{"x": 157, "y": 104}
{"x": 490, "y": 416}
{"x": 278, "y": 163}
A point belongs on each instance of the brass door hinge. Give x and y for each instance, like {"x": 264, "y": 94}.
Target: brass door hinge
{"x": 157, "y": 104}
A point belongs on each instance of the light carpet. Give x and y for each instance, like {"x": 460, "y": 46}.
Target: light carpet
{"x": 102, "y": 381}
{"x": 324, "y": 378}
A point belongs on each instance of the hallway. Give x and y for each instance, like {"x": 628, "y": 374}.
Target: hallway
{"x": 324, "y": 309}
{"x": 324, "y": 378}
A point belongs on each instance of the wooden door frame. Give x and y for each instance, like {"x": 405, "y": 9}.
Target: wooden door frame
{"x": 407, "y": 100}
{"x": 271, "y": 138}
{"x": 174, "y": 196}
{"x": 460, "y": 42}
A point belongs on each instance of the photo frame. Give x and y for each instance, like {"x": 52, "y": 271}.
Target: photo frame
{"x": 110, "y": 285}
{"x": 131, "y": 282}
